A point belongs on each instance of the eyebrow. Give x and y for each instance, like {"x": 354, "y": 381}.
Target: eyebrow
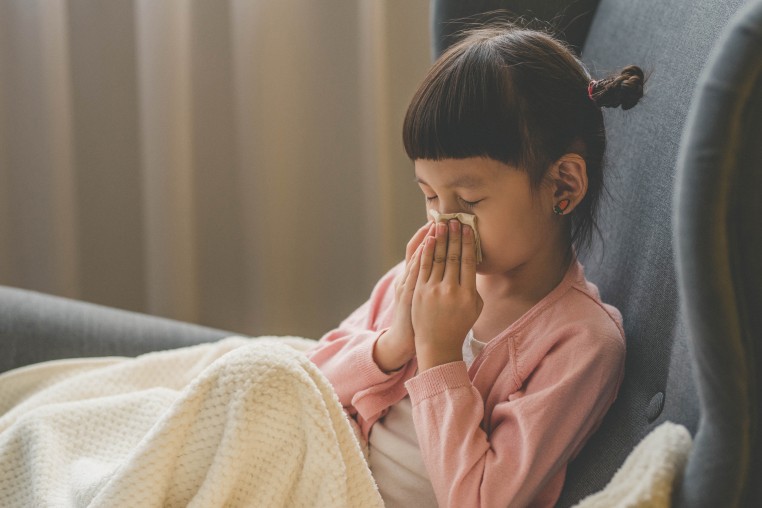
{"x": 463, "y": 181}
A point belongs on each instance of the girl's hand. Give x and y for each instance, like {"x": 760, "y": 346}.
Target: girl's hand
{"x": 446, "y": 303}
{"x": 397, "y": 346}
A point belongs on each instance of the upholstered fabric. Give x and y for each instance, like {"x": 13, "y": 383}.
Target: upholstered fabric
{"x": 633, "y": 263}
{"x": 35, "y": 327}
{"x": 718, "y": 241}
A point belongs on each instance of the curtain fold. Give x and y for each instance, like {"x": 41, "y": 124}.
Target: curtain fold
{"x": 232, "y": 163}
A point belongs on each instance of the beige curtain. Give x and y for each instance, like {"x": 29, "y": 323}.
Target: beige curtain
{"x": 234, "y": 163}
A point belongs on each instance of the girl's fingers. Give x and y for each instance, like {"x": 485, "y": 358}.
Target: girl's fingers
{"x": 416, "y": 242}
{"x": 417, "y": 239}
{"x": 407, "y": 268}
{"x": 426, "y": 259}
{"x": 452, "y": 265}
{"x": 440, "y": 252}
{"x": 468, "y": 263}
{"x": 414, "y": 267}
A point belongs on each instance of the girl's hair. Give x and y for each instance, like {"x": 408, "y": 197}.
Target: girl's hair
{"x": 519, "y": 96}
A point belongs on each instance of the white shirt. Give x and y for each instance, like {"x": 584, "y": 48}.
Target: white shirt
{"x": 395, "y": 456}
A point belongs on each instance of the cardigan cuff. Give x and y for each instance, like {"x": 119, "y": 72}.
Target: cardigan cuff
{"x": 437, "y": 380}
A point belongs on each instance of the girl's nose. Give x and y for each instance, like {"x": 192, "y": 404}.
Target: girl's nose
{"x": 448, "y": 206}
{"x": 452, "y": 208}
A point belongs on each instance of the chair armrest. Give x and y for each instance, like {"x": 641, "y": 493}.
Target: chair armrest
{"x": 36, "y": 327}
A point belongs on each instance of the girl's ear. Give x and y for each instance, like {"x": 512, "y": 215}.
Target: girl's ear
{"x": 569, "y": 178}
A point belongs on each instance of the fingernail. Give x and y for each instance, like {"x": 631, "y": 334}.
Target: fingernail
{"x": 441, "y": 228}
{"x": 467, "y": 230}
{"x": 453, "y": 225}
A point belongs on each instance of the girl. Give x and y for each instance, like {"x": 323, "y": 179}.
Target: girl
{"x": 475, "y": 384}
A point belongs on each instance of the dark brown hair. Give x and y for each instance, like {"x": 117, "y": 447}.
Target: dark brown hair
{"x": 519, "y": 96}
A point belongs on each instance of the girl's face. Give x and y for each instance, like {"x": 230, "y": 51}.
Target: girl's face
{"x": 516, "y": 225}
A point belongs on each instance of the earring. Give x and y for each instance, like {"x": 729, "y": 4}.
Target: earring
{"x": 561, "y": 206}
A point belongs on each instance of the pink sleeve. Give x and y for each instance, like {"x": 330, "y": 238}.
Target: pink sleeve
{"x": 521, "y": 458}
{"x": 345, "y": 356}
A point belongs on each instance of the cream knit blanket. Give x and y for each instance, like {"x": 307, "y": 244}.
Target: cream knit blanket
{"x": 647, "y": 477}
{"x": 240, "y": 422}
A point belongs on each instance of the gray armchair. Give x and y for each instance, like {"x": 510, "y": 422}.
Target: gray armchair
{"x": 680, "y": 244}
{"x": 678, "y": 251}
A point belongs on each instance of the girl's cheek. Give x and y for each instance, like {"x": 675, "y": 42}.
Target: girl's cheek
{"x": 492, "y": 241}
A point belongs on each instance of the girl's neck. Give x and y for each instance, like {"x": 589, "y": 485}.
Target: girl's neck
{"x": 509, "y": 296}
{"x": 529, "y": 282}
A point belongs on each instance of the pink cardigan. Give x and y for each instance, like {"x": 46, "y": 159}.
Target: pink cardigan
{"x": 502, "y": 432}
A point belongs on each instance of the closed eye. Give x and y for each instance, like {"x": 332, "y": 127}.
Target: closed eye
{"x": 470, "y": 204}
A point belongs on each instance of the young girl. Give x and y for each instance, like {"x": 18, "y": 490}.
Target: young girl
{"x": 476, "y": 383}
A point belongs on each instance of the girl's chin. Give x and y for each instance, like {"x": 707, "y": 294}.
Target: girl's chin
{"x": 487, "y": 268}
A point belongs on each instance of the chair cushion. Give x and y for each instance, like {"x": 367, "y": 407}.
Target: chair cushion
{"x": 632, "y": 261}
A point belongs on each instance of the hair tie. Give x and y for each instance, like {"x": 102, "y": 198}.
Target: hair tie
{"x": 590, "y": 89}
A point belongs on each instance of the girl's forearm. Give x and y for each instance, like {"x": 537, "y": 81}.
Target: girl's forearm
{"x": 391, "y": 352}
{"x": 430, "y": 357}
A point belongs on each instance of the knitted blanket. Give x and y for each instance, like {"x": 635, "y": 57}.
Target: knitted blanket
{"x": 240, "y": 422}
{"x": 647, "y": 477}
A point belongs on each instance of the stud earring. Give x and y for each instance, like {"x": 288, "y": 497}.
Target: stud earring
{"x": 561, "y": 206}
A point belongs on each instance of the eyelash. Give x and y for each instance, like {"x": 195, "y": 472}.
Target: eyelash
{"x": 467, "y": 204}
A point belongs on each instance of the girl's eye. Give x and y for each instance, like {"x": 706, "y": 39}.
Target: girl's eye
{"x": 469, "y": 204}
{"x": 466, "y": 204}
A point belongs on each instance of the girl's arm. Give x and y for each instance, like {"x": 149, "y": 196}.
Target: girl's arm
{"x": 368, "y": 357}
{"x": 522, "y": 455}
{"x": 345, "y": 355}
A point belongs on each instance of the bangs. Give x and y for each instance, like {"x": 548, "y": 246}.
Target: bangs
{"x": 463, "y": 109}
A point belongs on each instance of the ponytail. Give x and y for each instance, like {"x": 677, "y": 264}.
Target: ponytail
{"x": 623, "y": 89}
